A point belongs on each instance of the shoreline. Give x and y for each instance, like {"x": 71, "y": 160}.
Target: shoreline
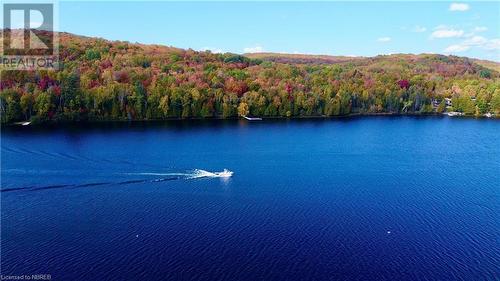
{"x": 52, "y": 123}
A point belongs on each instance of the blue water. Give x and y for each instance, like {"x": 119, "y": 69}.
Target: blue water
{"x": 374, "y": 198}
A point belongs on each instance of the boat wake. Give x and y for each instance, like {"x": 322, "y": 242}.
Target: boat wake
{"x": 206, "y": 174}
{"x": 195, "y": 174}
{"x": 155, "y": 178}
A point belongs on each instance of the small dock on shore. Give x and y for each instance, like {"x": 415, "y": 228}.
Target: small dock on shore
{"x": 252, "y": 118}
{"x": 23, "y": 123}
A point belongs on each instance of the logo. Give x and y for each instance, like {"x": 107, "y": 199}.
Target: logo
{"x": 28, "y": 37}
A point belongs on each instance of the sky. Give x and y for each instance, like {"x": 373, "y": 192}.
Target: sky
{"x": 469, "y": 29}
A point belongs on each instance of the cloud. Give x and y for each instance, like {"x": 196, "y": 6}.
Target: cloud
{"x": 474, "y": 31}
{"x": 459, "y": 7}
{"x": 480, "y": 28}
{"x": 384, "y": 39}
{"x": 256, "y": 49}
{"x": 419, "y": 29}
{"x": 212, "y": 49}
{"x": 456, "y": 48}
{"x": 445, "y": 32}
{"x": 492, "y": 45}
{"x": 475, "y": 42}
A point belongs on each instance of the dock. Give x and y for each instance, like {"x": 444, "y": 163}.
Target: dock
{"x": 22, "y": 123}
{"x": 252, "y": 118}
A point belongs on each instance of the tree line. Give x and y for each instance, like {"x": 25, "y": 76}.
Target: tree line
{"x": 103, "y": 80}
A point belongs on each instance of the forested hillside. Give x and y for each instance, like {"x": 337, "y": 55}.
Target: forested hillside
{"x": 105, "y": 80}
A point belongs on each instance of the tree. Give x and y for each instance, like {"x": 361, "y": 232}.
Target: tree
{"x": 229, "y": 105}
{"x": 495, "y": 102}
{"x": 243, "y": 109}
{"x": 164, "y": 105}
{"x": 43, "y": 105}
{"x": 92, "y": 54}
{"x": 70, "y": 88}
{"x": 26, "y": 104}
{"x": 138, "y": 100}
{"x": 441, "y": 107}
{"x": 9, "y": 106}
{"x": 485, "y": 73}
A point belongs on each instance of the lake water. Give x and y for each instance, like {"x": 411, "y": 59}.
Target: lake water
{"x": 375, "y": 198}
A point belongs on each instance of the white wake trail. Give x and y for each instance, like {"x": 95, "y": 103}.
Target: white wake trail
{"x": 160, "y": 174}
{"x": 196, "y": 174}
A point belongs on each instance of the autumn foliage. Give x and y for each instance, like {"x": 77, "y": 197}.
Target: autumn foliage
{"x": 105, "y": 80}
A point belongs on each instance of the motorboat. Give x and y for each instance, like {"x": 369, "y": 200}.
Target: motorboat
{"x": 224, "y": 174}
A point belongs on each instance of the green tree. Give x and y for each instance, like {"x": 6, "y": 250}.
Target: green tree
{"x": 26, "y": 103}
{"x": 43, "y": 105}
{"x": 10, "y": 108}
{"x": 495, "y": 102}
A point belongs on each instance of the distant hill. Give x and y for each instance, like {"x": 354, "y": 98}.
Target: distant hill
{"x": 118, "y": 80}
{"x": 360, "y": 60}
{"x": 302, "y": 58}
{"x": 488, "y": 64}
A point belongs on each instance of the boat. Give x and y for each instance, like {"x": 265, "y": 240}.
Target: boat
{"x": 25, "y": 123}
{"x": 224, "y": 174}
